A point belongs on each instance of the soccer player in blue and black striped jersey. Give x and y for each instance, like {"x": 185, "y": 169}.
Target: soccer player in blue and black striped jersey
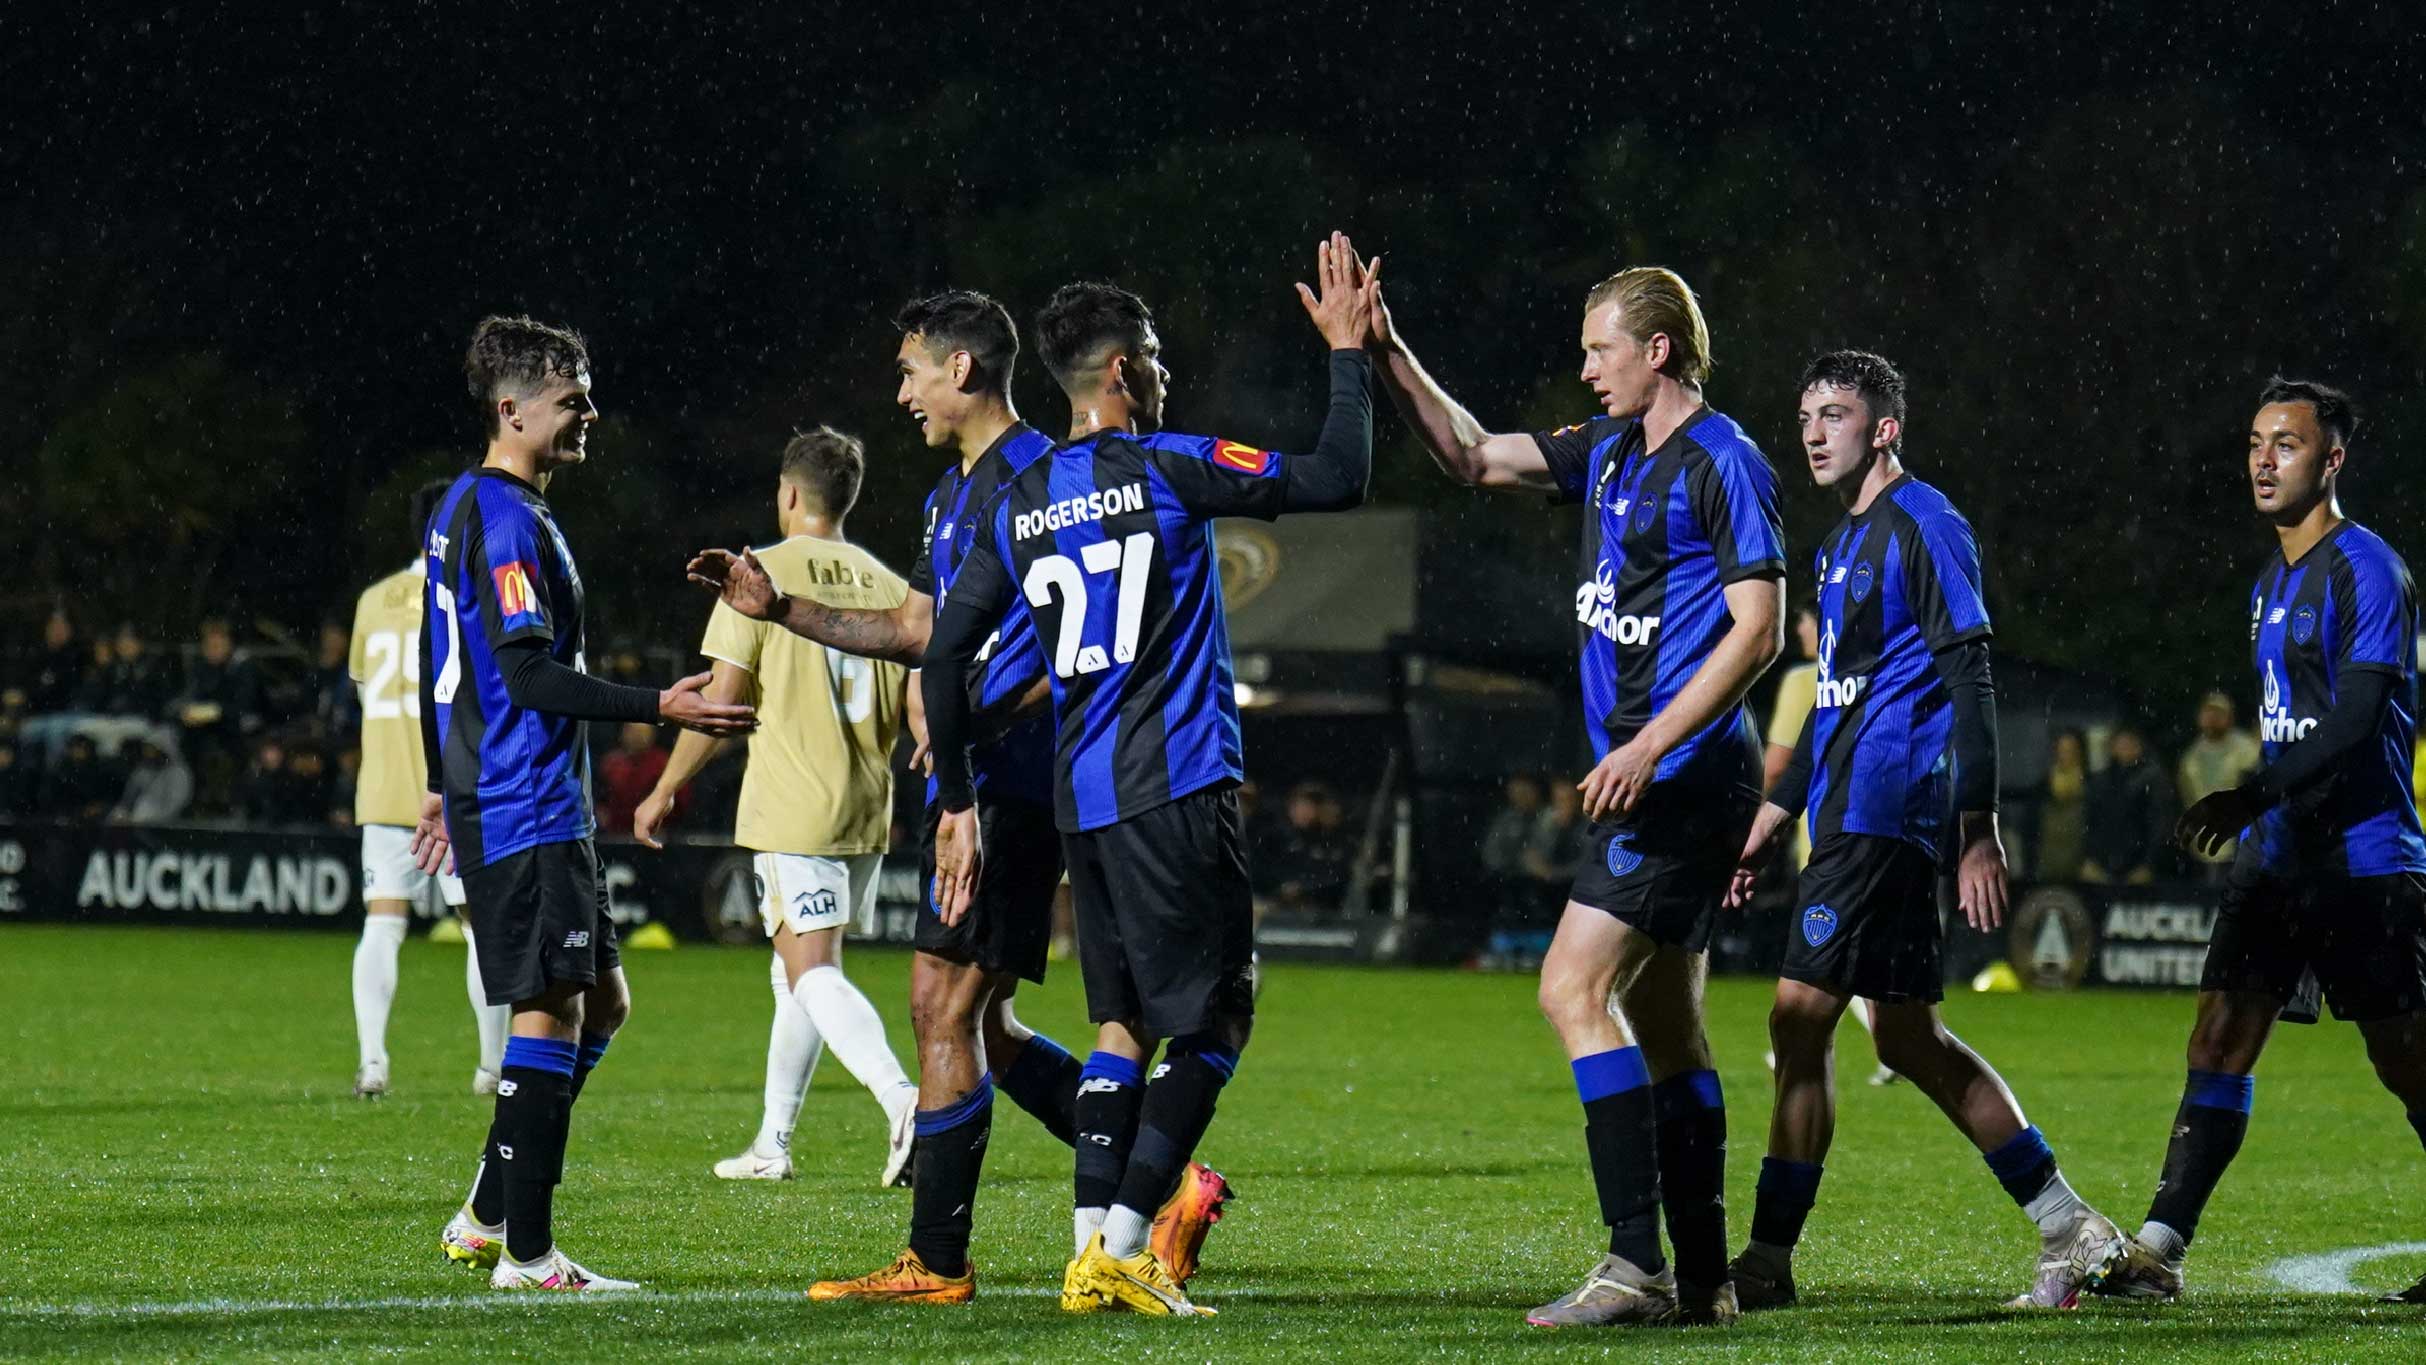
{"x": 1107, "y": 541}
{"x": 1903, "y": 729}
{"x": 504, "y": 692}
{"x": 954, "y": 364}
{"x": 2328, "y": 890}
{"x": 1679, "y": 606}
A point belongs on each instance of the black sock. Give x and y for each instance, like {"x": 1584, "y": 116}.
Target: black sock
{"x": 2025, "y": 1165}
{"x": 534, "y": 1107}
{"x": 1043, "y": 1079}
{"x": 1179, "y": 1107}
{"x": 2417, "y": 1122}
{"x": 1782, "y": 1200}
{"x": 587, "y": 1057}
{"x": 1621, "y": 1135}
{"x": 488, "y": 1186}
{"x": 1692, "y": 1115}
{"x": 1111, "y": 1092}
{"x": 2207, "y": 1133}
{"x": 943, "y": 1183}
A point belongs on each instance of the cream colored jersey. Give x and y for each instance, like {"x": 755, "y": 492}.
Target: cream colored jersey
{"x": 820, "y": 779}
{"x": 385, "y": 663}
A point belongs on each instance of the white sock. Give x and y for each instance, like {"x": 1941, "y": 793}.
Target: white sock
{"x": 1864, "y": 1014}
{"x": 375, "y": 982}
{"x": 2164, "y": 1241}
{"x": 852, "y": 1029}
{"x": 1083, "y": 1228}
{"x": 1124, "y": 1232}
{"x": 792, "y": 1051}
{"x": 490, "y": 1020}
{"x": 2056, "y": 1208}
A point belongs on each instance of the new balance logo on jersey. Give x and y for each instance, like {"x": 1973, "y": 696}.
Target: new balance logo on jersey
{"x": 2276, "y": 724}
{"x": 1835, "y": 692}
{"x": 1595, "y": 606}
{"x": 579, "y": 938}
{"x": 1129, "y": 497}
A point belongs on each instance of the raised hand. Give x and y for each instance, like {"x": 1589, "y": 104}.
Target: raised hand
{"x": 739, "y": 579}
{"x": 1380, "y": 335}
{"x": 683, "y": 704}
{"x": 1340, "y": 301}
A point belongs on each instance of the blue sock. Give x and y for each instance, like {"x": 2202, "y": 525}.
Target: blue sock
{"x": 2207, "y": 1133}
{"x": 586, "y": 1058}
{"x": 1621, "y": 1138}
{"x": 1043, "y": 1080}
{"x": 1782, "y": 1201}
{"x": 2023, "y": 1165}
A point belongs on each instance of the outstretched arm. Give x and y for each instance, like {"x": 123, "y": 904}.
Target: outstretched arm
{"x": 898, "y": 635}
{"x": 1460, "y": 445}
{"x": 727, "y": 683}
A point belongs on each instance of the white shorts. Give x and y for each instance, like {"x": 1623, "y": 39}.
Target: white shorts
{"x": 810, "y": 893}
{"x": 389, "y": 874}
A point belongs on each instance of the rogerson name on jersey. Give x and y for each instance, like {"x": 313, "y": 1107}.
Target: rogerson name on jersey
{"x": 1129, "y": 497}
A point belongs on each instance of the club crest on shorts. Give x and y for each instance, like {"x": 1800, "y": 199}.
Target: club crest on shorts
{"x": 1622, "y": 859}
{"x": 1862, "y": 579}
{"x": 1819, "y": 925}
{"x": 2303, "y": 625}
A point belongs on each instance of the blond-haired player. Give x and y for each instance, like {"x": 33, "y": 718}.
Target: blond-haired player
{"x": 816, "y": 802}
{"x": 384, "y": 662}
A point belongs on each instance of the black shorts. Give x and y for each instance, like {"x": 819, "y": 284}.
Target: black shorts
{"x": 1009, "y": 927}
{"x": 1166, "y": 923}
{"x": 1866, "y": 922}
{"x": 2362, "y": 939}
{"x": 1663, "y": 870}
{"x": 539, "y": 920}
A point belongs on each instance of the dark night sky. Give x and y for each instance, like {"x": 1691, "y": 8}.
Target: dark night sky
{"x": 2086, "y": 242}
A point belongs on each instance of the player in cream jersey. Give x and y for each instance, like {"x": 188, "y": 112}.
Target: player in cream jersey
{"x": 816, "y": 801}
{"x": 384, "y": 662}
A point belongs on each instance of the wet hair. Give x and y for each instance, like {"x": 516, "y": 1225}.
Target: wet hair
{"x": 1084, "y": 322}
{"x": 517, "y": 355}
{"x": 2335, "y": 413}
{"x": 1652, "y": 299}
{"x": 965, "y": 320}
{"x": 1867, "y": 373}
{"x": 828, "y": 465}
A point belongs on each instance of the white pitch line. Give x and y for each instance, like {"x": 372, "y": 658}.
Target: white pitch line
{"x": 2328, "y": 1272}
{"x": 473, "y": 1303}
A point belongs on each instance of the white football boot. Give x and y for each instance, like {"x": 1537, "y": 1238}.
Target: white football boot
{"x": 756, "y": 1163}
{"x": 370, "y": 1083}
{"x": 554, "y": 1271}
{"x": 468, "y": 1241}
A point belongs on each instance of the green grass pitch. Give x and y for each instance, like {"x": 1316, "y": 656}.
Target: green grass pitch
{"x": 187, "y": 1174}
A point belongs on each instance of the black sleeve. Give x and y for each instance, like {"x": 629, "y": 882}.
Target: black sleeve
{"x": 536, "y": 682}
{"x": 1567, "y": 454}
{"x": 1964, "y": 669}
{"x": 1332, "y": 478}
{"x": 1793, "y": 789}
{"x": 2357, "y": 716}
{"x": 429, "y": 707}
{"x": 966, "y": 616}
{"x": 922, "y": 572}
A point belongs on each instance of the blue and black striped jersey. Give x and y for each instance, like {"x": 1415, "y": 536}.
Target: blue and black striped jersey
{"x": 500, "y": 572}
{"x": 1665, "y": 532}
{"x": 2348, "y": 605}
{"x": 1018, "y": 764}
{"x": 1899, "y": 583}
{"x": 1108, "y": 541}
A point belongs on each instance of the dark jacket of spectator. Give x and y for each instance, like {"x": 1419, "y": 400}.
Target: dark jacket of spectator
{"x": 282, "y": 788}
{"x": 57, "y": 674}
{"x": 1316, "y": 860}
{"x": 2130, "y": 810}
{"x": 82, "y": 786}
{"x": 135, "y": 682}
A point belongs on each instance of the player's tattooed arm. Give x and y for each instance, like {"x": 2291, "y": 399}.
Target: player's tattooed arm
{"x": 898, "y": 635}
{"x": 1460, "y": 445}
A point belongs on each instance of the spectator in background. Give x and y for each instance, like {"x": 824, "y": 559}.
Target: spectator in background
{"x": 2130, "y": 815}
{"x": 272, "y": 794}
{"x": 82, "y": 786}
{"x": 627, "y": 776}
{"x": 17, "y": 792}
{"x": 1557, "y": 846}
{"x": 335, "y": 704}
{"x": 1511, "y": 826}
{"x": 1314, "y": 855}
{"x": 343, "y": 779}
{"x": 2223, "y": 756}
{"x": 158, "y": 787}
{"x": 219, "y": 708}
{"x": 59, "y": 670}
{"x": 2060, "y": 823}
{"x": 131, "y": 680}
